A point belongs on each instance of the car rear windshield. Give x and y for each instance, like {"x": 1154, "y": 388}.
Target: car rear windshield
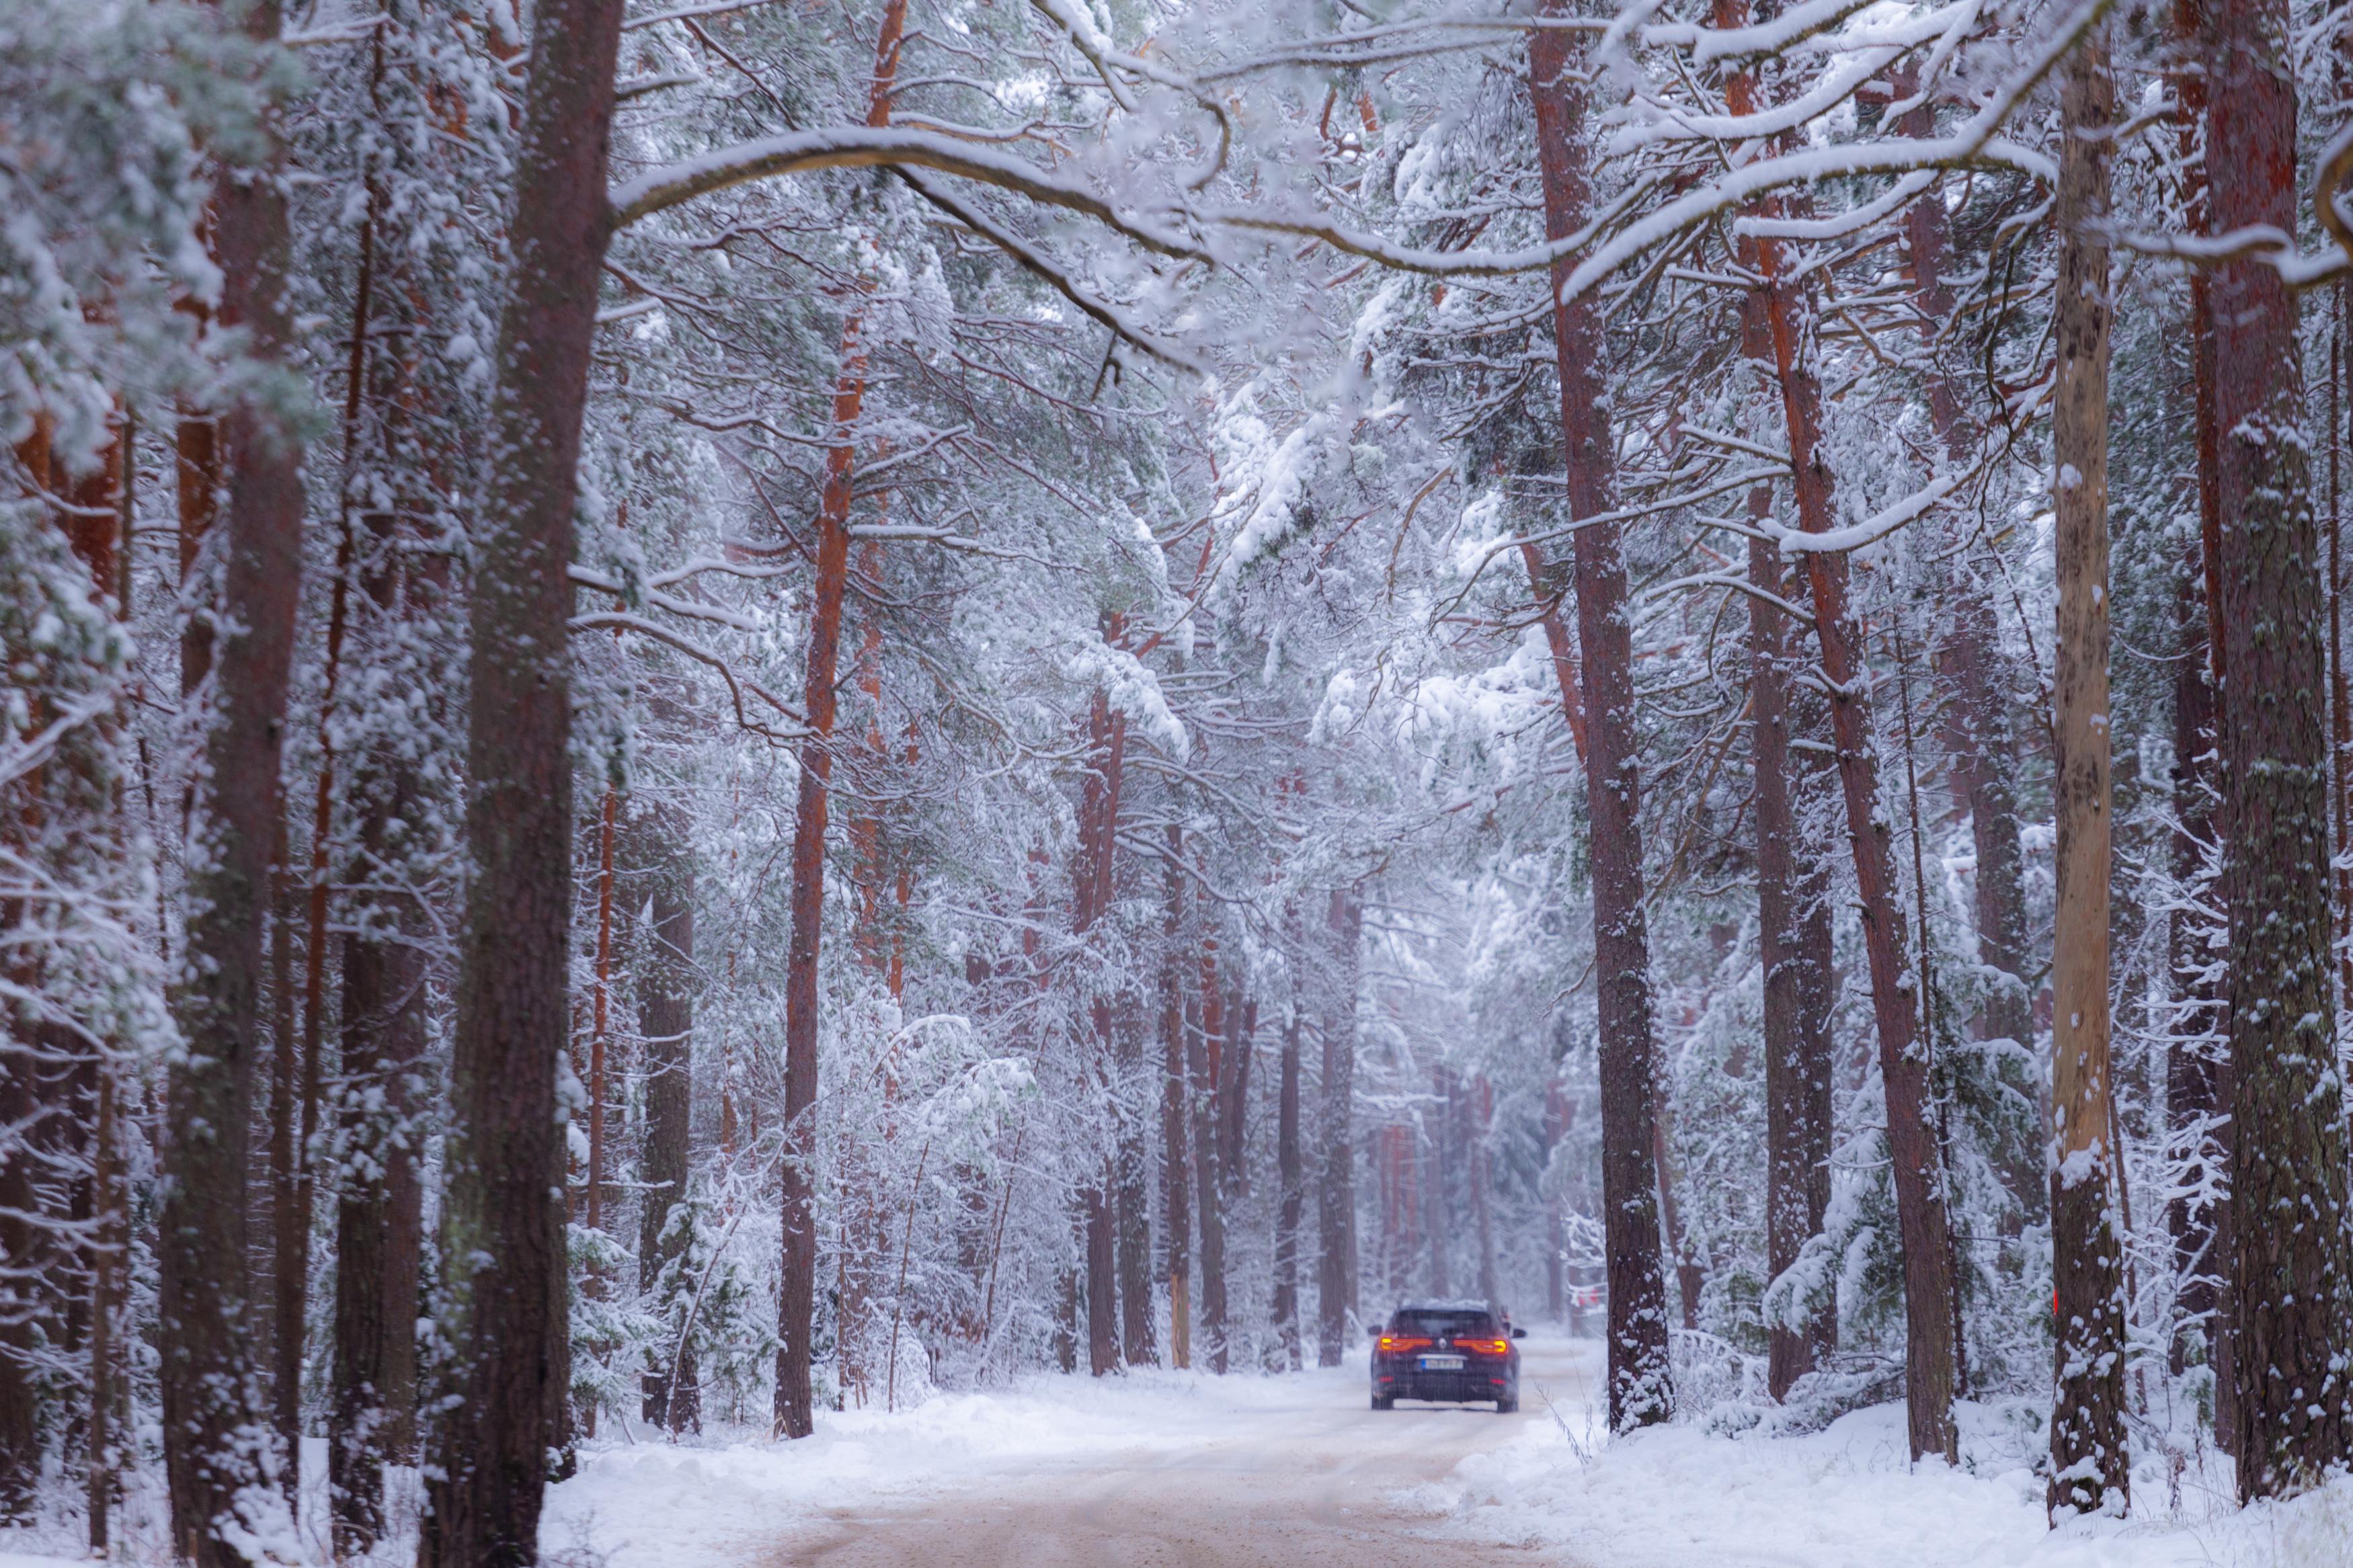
{"x": 1444, "y": 1325}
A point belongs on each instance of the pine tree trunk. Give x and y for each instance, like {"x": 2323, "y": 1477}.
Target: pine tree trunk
{"x": 1233, "y": 1096}
{"x": 1132, "y": 1189}
{"x": 2089, "y": 1466}
{"x": 1204, "y": 1052}
{"x": 1440, "y": 1132}
{"x": 795, "y": 1411}
{"x": 1793, "y": 948}
{"x": 507, "y": 1322}
{"x": 1640, "y": 1381}
{"x": 371, "y": 1416}
{"x": 2197, "y": 1095}
{"x": 2292, "y": 1273}
{"x": 671, "y": 1397}
{"x": 377, "y": 1216}
{"x": 211, "y": 1403}
{"x": 1481, "y": 1159}
{"x": 1290, "y": 1171}
{"x": 1930, "y": 1338}
{"x": 1336, "y": 1192}
{"x": 1175, "y": 1202}
{"x": 1091, "y": 882}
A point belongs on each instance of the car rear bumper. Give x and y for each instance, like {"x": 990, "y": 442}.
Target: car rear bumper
{"x": 1451, "y": 1387}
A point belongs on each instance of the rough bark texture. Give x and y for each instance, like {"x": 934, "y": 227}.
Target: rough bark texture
{"x": 1336, "y": 1192}
{"x": 506, "y": 1316}
{"x": 1793, "y": 922}
{"x": 797, "y": 1296}
{"x": 2293, "y": 1301}
{"x": 2198, "y": 1093}
{"x": 1289, "y": 1171}
{"x": 210, "y": 1402}
{"x": 1132, "y": 1189}
{"x": 1640, "y": 1383}
{"x": 378, "y": 1214}
{"x": 672, "y": 1392}
{"x": 1204, "y": 1047}
{"x": 1176, "y": 1200}
{"x": 1092, "y": 887}
{"x": 2089, "y": 1468}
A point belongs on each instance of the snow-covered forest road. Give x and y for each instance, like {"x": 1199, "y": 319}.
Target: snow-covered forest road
{"x": 1148, "y": 1468}
{"x": 1310, "y": 1478}
{"x": 1159, "y": 1469}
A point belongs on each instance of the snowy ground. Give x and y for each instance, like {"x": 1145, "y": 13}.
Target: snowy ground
{"x": 1188, "y": 1470}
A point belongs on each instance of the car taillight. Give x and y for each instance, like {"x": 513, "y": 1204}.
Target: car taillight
{"x": 1394, "y": 1343}
{"x": 1487, "y": 1347}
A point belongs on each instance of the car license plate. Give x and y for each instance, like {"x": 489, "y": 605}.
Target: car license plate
{"x": 1441, "y": 1363}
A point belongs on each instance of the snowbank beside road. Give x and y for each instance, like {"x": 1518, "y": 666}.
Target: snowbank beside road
{"x": 1679, "y": 1496}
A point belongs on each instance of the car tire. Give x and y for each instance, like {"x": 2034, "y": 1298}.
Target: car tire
{"x": 1508, "y": 1407}
{"x": 1380, "y": 1403}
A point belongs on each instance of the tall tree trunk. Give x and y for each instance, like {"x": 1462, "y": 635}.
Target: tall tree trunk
{"x": 1793, "y": 921}
{"x": 1930, "y": 1340}
{"x": 1132, "y": 1189}
{"x": 298, "y": 1198}
{"x": 1175, "y": 1207}
{"x": 1205, "y": 1053}
{"x": 1440, "y": 1132}
{"x": 2197, "y": 1091}
{"x": 378, "y": 1219}
{"x": 1640, "y": 1381}
{"x": 671, "y": 1388}
{"x": 1336, "y": 1192}
{"x": 795, "y": 1413}
{"x": 1091, "y": 879}
{"x": 1482, "y": 1160}
{"x": 507, "y": 1317}
{"x": 379, "y": 1216}
{"x": 2292, "y": 1273}
{"x": 1233, "y": 1095}
{"x": 2089, "y": 1468}
{"x": 1288, "y": 1169}
{"x": 211, "y": 1405}
{"x": 108, "y": 1258}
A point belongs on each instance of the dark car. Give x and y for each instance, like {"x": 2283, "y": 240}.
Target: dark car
{"x": 1455, "y": 1351}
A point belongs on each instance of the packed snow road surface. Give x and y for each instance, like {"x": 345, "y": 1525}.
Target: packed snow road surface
{"x": 1314, "y": 1480}
{"x": 1185, "y": 1470}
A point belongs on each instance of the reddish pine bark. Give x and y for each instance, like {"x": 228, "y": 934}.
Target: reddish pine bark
{"x": 796, "y": 1293}
{"x": 2293, "y": 1302}
{"x": 2089, "y": 1468}
{"x": 671, "y": 1390}
{"x": 1640, "y": 1383}
{"x": 1203, "y": 1057}
{"x": 209, "y": 1394}
{"x": 507, "y": 1321}
{"x": 1793, "y": 923}
{"x": 1176, "y": 1221}
{"x": 1290, "y": 1171}
{"x": 1336, "y": 1192}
